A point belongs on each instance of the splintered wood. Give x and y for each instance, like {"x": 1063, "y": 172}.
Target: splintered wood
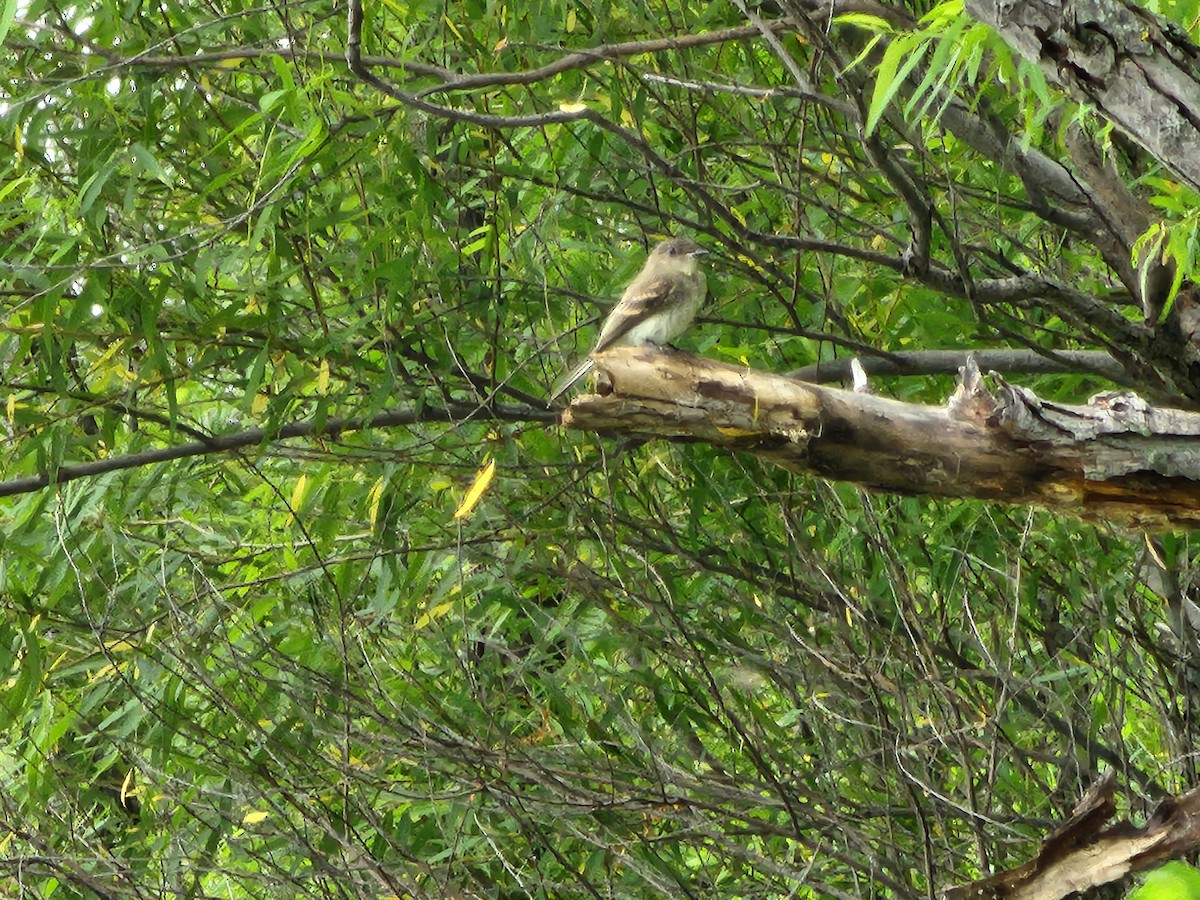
{"x": 1082, "y": 854}
{"x": 1115, "y": 458}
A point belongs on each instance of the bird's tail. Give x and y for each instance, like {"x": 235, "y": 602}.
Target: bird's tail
{"x": 564, "y": 383}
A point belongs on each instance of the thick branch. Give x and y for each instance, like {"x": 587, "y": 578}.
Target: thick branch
{"x": 1080, "y": 855}
{"x": 1116, "y": 459}
{"x": 1141, "y": 73}
{"x": 1125, "y": 217}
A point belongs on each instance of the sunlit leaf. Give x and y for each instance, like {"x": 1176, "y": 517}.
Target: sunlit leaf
{"x": 475, "y": 493}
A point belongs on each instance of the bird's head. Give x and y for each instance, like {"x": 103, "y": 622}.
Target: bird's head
{"x": 680, "y": 254}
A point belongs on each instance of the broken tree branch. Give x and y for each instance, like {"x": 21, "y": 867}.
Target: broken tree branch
{"x": 1080, "y": 855}
{"x": 1116, "y": 458}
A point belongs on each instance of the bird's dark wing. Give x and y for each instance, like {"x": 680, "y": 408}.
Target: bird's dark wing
{"x": 639, "y": 303}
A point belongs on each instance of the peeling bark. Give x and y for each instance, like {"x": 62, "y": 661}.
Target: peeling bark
{"x": 1139, "y": 71}
{"x": 1116, "y": 459}
{"x": 1080, "y": 854}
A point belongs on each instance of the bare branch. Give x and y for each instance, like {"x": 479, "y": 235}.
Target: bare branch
{"x": 603, "y": 53}
{"x": 948, "y": 362}
{"x": 254, "y": 437}
{"x": 214, "y": 59}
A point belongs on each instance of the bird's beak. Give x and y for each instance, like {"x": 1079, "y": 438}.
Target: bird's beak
{"x": 699, "y": 251}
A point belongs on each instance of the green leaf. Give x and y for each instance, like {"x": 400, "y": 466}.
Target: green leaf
{"x": 149, "y": 163}
{"x": 864, "y": 20}
{"x": 271, "y": 99}
{"x": 94, "y": 184}
{"x": 8, "y": 10}
{"x": 900, "y": 58}
{"x": 1173, "y": 881}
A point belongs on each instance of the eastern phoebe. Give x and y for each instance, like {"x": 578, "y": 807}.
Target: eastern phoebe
{"x": 657, "y": 307}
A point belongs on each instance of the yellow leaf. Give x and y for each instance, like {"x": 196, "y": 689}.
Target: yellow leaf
{"x": 112, "y": 349}
{"x": 500, "y": 45}
{"x": 373, "y": 497}
{"x": 571, "y": 20}
{"x": 298, "y": 491}
{"x": 126, "y": 785}
{"x": 453, "y": 27}
{"x": 749, "y": 262}
{"x": 253, "y": 818}
{"x": 436, "y": 613}
{"x": 12, "y": 407}
{"x": 323, "y": 378}
{"x": 229, "y": 63}
{"x": 259, "y": 406}
{"x": 1154, "y": 552}
{"x": 475, "y": 493}
{"x": 572, "y": 107}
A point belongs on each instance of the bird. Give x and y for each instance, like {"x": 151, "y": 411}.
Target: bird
{"x": 656, "y": 308}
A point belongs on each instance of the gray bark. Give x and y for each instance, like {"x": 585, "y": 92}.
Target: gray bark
{"x": 1137, "y": 70}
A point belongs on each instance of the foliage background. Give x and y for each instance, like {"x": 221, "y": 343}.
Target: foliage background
{"x": 276, "y": 664}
